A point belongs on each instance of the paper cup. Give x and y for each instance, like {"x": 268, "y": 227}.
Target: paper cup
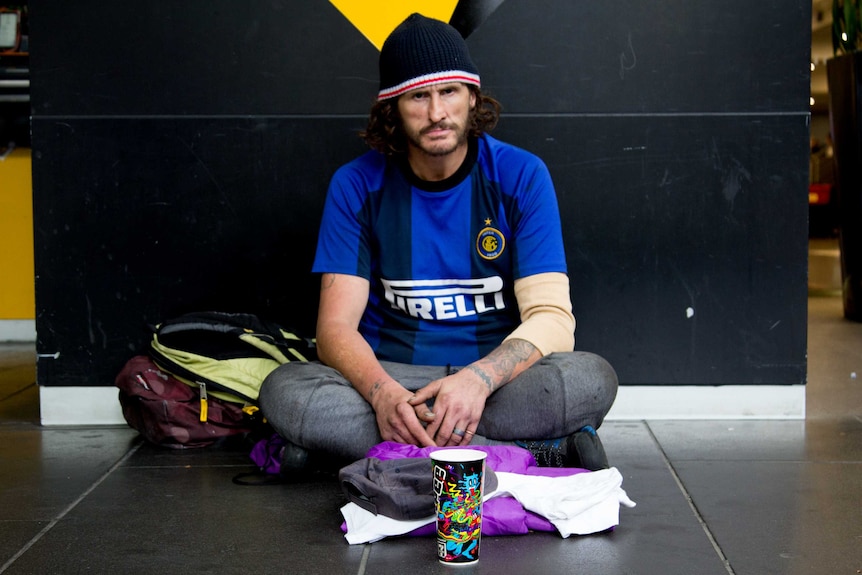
{"x": 459, "y": 478}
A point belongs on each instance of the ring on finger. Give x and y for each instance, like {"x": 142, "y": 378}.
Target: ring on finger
{"x": 458, "y": 432}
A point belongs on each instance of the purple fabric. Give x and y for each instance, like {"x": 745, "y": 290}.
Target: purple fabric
{"x": 501, "y": 515}
{"x": 266, "y": 454}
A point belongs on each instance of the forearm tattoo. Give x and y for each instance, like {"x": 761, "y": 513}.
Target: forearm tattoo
{"x": 500, "y": 366}
{"x": 375, "y": 388}
{"x": 486, "y": 379}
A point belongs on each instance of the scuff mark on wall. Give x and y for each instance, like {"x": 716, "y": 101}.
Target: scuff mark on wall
{"x": 733, "y": 175}
{"x": 731, "y": 182}
{"x": 628, "y": 59}
{"x": 226, "y": 199}
{"x": 90, "y": 333}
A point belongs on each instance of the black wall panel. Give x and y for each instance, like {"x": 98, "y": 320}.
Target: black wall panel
{"x": 542, "y": 56}
{"x": 149, "y": 218}
{"x": 181, "y": 155}
{"x": 199, "y": 57}
{"x": 683, "y": 242}
{"x": 667, "y": 56}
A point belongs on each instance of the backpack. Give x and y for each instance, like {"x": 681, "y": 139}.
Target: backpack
{"x": 226, "y": 355}
{"x": 202, "y": 377}
{"x": 167, "y": 412}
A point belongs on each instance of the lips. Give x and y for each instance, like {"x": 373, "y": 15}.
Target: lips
{"x": 436, "y": 129}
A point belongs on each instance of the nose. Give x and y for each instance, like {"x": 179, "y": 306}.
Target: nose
{"x": 436, "y": 109}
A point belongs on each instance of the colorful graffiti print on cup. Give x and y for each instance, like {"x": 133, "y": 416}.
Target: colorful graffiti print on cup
{"x": 458, "y": 481}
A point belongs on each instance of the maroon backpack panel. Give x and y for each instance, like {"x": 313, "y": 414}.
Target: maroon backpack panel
{"x": 167, "y": 412}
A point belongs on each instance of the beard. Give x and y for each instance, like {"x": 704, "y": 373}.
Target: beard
{"x": 437, "y": 147}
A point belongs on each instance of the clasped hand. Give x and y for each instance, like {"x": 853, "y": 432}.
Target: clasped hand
{"x": 459, "y": 400}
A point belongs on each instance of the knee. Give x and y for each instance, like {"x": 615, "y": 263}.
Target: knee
{"x": 590, "y": 373}
{"x": 274, "y": 386}
{"x": 604, "y": 372}
{"x": 276, "y": 378}
{"x": 606, "y": 377}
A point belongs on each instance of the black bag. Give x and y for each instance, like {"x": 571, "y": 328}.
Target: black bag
{"x": 226, "y": 355}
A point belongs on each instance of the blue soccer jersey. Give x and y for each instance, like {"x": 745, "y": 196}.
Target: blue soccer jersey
{"x": 441, "y": 257}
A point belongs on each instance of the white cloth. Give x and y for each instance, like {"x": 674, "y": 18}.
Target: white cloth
{"x": 575, "y": 504}
{"x": 365, "y": 527}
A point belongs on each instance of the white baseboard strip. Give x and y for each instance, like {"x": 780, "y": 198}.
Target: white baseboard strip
{"x": 100, "y": 406}
{"x": 17, "y": 330}
{"x": 63, "y": 405}
{"x": 709, "y": 402}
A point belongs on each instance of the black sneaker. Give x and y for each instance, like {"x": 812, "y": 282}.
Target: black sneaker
{"x": 581, "y": 449}
{"x": 294, "y": 459}
{"x": 293, "y": 467}
{"x": 300, "y": 464}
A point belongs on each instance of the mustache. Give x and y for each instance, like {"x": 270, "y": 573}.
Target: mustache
{"x": 438, "y": 126}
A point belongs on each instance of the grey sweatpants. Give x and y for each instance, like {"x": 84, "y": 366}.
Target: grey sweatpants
{"x": 316, "y": 408}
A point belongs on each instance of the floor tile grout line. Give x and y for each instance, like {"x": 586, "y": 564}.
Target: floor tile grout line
{"x": 363, "y": 563}
{"x": 691, "y": 504}
{"x": 68, "y": 509}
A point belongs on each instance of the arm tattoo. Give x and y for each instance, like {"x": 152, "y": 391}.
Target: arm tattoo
{"x": 375, "y": 388}
{"x": 326, "y": 281}
{"x": 502, "y": 363}
{"x": 486, "y": 379}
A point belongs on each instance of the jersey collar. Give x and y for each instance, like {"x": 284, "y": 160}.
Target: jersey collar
{"x": 442, "y": 185}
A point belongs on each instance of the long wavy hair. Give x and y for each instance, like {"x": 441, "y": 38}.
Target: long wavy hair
{"x": 385, "y": 132}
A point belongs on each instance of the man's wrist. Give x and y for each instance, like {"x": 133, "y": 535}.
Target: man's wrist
{"x": 380, "y": 389}
{"x": 484, "y": 377}
{"x": 504, "y": 363}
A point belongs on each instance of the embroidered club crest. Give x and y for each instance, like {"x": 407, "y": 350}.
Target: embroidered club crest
{"x": 490, "y": 243}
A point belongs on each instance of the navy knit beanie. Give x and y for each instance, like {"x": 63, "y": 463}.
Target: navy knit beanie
{"x": 420, "y": 52}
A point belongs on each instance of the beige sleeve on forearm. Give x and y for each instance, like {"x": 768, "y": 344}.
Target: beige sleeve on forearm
{"x": 545, "y": 304}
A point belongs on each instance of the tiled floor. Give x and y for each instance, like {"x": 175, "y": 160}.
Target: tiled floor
{"x": 714, "y": 497}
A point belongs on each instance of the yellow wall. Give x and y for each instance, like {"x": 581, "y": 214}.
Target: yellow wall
{"x": 17, "y": 292}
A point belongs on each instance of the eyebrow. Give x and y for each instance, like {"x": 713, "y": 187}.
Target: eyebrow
{"x": 431, "y": 86}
